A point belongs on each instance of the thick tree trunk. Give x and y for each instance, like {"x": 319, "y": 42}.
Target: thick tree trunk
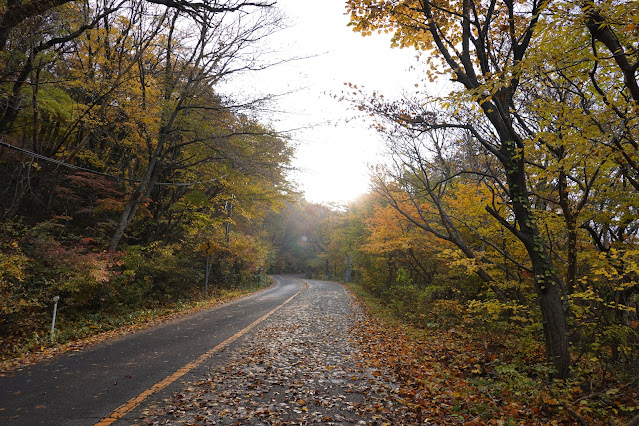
{"x": 547, "y": 283}
{"x": 139, "y": 196}
{"x": 9, "y": 111}
{"x": 553, "y": 317}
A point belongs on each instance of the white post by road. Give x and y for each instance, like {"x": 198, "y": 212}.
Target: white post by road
{"x": 55, "y": 311}
{"x": 206, "y": 277}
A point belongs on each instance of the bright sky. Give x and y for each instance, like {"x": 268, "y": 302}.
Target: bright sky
{"x": 333, "y": 155}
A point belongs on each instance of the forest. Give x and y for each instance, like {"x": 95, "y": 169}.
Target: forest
{"x": 501, "y": 228}
{"x": 120, "y": 159}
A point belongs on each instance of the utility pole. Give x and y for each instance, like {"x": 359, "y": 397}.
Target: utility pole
{"x": 207, "y": 248}
{"x": 228, "y": 207}
{"x": 206, "y": 276}
{"x": 349, "y": 270}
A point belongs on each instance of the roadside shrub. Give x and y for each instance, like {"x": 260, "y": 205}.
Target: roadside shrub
{"x": 15, "y": 300}
{"x": 446, "y": 313}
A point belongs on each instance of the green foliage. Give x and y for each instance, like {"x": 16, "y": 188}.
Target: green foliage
{"x": 55, "y": 104}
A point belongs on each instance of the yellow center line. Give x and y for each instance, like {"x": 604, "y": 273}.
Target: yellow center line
{"x": 127, "y": 407}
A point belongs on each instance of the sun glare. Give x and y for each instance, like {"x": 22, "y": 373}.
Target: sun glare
{"x": 335, "y": 145}
{"x": 339, "y": 186}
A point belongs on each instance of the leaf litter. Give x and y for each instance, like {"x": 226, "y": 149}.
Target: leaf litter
{"x": 323, "y": 359}
{"x": 302, "y": 366}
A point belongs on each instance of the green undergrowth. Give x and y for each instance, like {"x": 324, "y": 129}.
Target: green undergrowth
{"x": 453, "y": 368}
{"x": 85, "y": 329}
{"x": 374, "y": 305}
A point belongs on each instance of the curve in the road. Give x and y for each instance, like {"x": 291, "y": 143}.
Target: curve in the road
{"x": 86, "y": 386}
{"x": 134, "y": 402}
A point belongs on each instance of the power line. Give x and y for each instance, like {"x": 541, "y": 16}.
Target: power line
{"x": 95, "y": 172}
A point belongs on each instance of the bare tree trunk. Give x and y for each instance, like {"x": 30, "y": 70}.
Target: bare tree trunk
{"x": 21, "y": 193}
{"x": 139, "y": 196}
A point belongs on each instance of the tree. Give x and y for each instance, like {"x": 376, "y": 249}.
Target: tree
{"x": 49, "y": 34}
{"x": 75, "y": 108}
{"x": 598, "y": 113}
{"x": 481, "y": 45}
{"x": 433, "y": 184}
{"x": 193, "y": 63}
{"x": 17, "y": 12}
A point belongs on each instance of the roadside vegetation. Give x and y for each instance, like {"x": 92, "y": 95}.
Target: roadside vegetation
{"x": 119, "y": 159}
{"x": 501, "y": 232}
{"x": 470, "y": 351}
{"x": 459, "y": 372}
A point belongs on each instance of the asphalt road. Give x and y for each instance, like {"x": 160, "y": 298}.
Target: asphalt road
{"x": 87, "y": 386}
{"x": 302, "y": 365}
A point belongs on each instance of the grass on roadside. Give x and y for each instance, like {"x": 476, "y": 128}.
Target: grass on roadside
{"x": 98, "y": 327}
